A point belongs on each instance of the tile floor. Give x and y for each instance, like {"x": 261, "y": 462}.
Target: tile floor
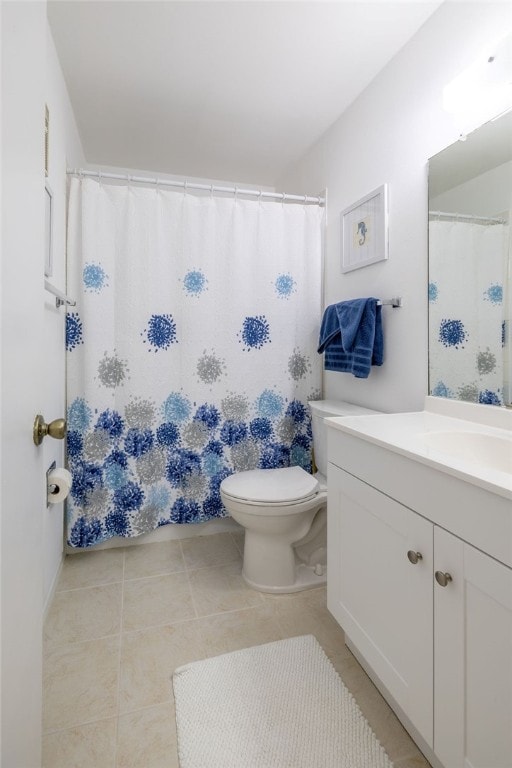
{"x": 123, "y": 619}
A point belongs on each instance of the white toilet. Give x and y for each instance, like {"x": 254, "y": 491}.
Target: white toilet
{"x": 284, "y": 513}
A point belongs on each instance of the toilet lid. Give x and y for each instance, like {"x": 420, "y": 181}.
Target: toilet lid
{"x": 271, "y": 485}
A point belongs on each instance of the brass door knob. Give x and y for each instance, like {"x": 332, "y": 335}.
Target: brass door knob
{"x": 414, "y": 557}
{"x": 56, "y": 429}
{"x": 443, "y": 579}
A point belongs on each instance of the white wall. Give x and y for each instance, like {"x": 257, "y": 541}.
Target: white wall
{"x": 387, "y": 136}
{"x": 64, "y": 150}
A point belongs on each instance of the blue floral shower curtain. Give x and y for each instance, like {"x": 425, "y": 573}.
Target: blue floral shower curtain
{"x": 468, "y": 262}
{"x": 190, "y": 353}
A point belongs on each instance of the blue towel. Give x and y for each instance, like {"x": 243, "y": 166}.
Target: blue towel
{"x": 351, "y": 336}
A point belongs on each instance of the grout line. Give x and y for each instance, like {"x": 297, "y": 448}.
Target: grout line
{"x": 231, "y": 610}
{"x": 194, "y": 618}
{"x": 148, "y": 706}
{"x": 113, "y": 717}
{"x": 78, "y": 725}
{"x": 51, "y": 645}
{"x": 89, "y": 586}
{"x": 235, "y": 543}
{"x": 155, "y": 575}
{"x": 191, "y": 592}
{"x": 221, "y": 564}
{"x": 158, "y": 626}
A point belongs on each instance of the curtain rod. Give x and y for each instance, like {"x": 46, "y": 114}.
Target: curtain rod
{"x": 465, "y": 217}
{"x": 192, "y": 185}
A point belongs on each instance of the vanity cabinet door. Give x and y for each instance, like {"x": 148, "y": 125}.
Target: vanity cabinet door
{"x": 383, "y": 601}
{"x": 472, "y": 657}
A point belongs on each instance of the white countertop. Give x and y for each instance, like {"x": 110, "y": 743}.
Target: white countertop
{"x": 402, "y": 433}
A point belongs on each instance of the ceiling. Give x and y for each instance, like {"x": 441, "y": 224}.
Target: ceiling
{"x": 234, "y": 90}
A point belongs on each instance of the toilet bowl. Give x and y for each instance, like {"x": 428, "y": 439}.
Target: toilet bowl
{"x": 284, "y": 513}
{"x": 277, "y": 508}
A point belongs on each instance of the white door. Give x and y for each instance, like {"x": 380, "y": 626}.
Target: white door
{"x": 23, "y": 39}
{"x": 472, "y": 657}
{"x": 382, "y": 600}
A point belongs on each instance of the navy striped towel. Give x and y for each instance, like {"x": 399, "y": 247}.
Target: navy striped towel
{"x": 351, "y": 336}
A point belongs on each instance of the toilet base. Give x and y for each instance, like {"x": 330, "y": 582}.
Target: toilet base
{"x": 305, "y": 578}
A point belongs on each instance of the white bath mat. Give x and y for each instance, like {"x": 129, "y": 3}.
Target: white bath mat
{"x": 279, "y": 705}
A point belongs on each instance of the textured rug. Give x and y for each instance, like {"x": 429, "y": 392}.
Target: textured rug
{"x": 279, "y": 705}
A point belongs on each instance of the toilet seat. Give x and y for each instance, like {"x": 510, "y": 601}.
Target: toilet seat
{"x": 274, "y": 487}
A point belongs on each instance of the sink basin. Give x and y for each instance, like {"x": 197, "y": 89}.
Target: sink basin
{"x": 490, "y": 450}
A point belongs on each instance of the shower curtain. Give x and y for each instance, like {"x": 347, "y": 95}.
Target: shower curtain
{"x": 191, "y": 353}
{"x": 466, "y": 318}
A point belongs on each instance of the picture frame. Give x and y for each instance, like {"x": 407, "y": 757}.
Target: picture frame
{"x": 48, "y": 231}
{"x": 364, "y": 231}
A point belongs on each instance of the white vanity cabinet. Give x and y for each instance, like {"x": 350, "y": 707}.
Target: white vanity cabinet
{"x": 382, "y": 600}
{"x": 472, "y": 657}
{"x": 427, "y": 611}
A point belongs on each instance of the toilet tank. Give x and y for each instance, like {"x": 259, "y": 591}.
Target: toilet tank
{"x": 323, "y": 409}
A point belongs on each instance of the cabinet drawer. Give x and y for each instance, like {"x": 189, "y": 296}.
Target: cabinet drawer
{"x": 479, "y": 517}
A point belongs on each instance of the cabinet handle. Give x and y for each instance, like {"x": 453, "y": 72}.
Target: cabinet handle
{"x": 443, "y": 579}
{"x": 414, "y": 557}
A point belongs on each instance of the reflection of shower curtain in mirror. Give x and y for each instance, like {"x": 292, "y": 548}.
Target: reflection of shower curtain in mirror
{"x": 467, "y": 263}
{"x": 191, "y": 352}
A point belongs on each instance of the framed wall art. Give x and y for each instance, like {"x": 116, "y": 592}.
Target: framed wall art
{"x": 364, "y": 231}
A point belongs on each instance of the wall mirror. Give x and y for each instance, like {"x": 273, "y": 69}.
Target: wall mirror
{"x": 470, "y": 267}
